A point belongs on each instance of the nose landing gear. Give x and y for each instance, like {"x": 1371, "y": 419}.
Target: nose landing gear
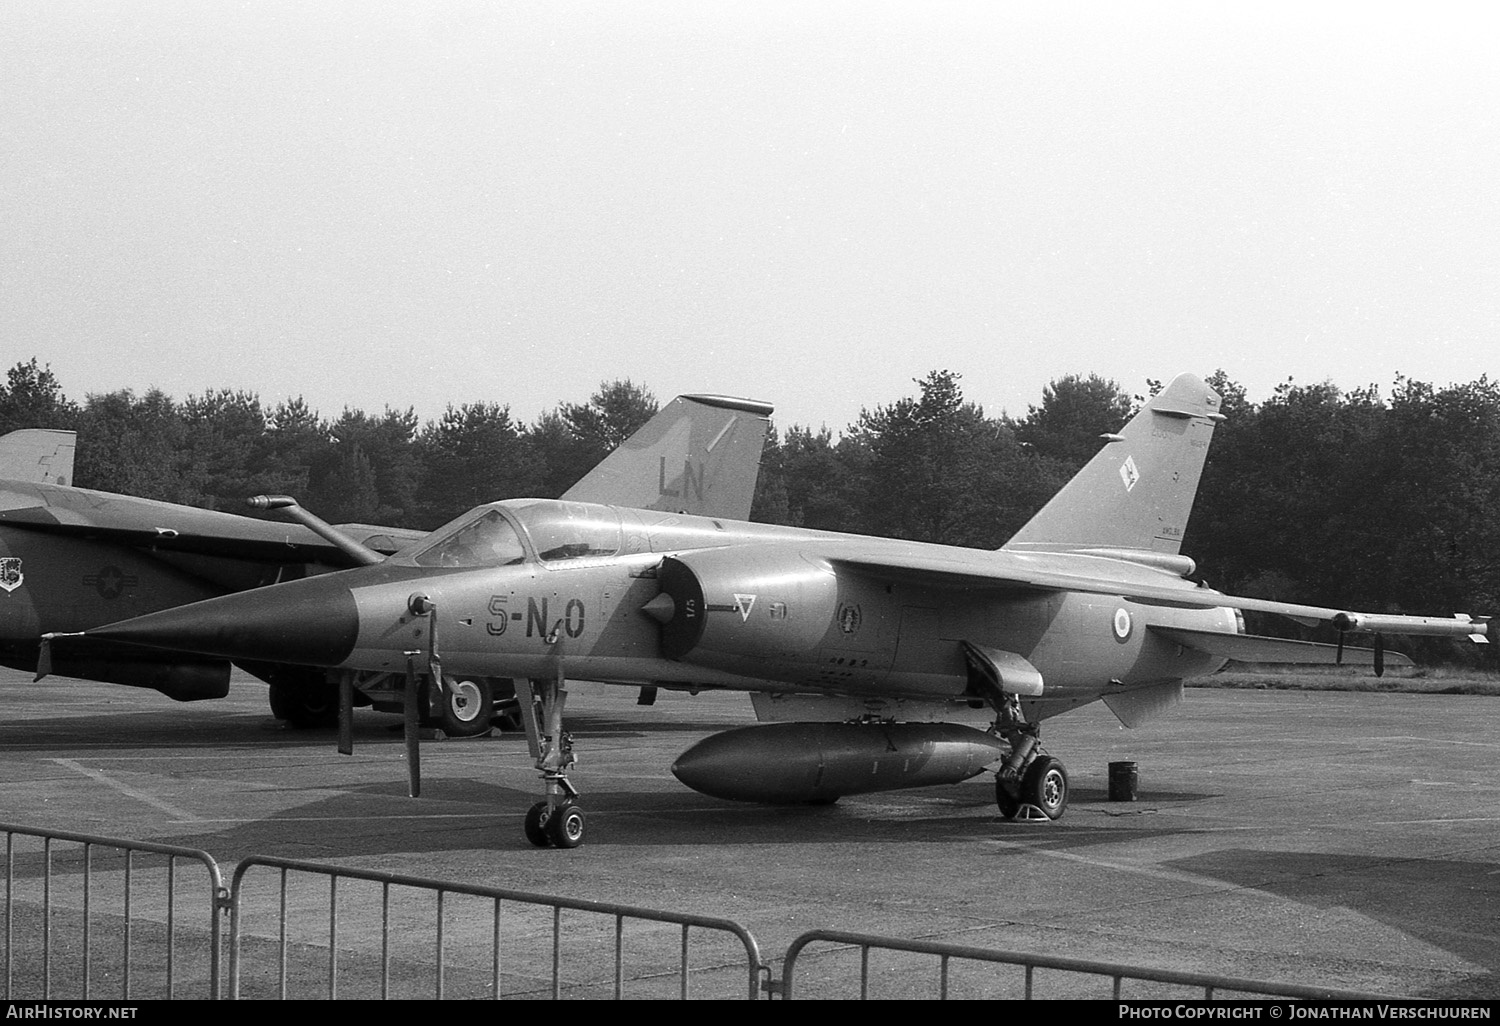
{"x": 558, "y": 821}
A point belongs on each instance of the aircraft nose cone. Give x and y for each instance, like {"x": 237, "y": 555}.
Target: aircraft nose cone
{"x": 312, "y": 622}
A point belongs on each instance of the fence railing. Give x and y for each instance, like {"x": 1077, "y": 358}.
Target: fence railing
{"x": 98, "y": 917}
{"x": 446, "y": 939}
{"x": 104, "y": 918}
{"x": 943, "y": 955}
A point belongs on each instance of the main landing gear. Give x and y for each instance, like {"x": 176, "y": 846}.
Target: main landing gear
{"x": 558, "y": 821}
{"x": 1030, "y": 785}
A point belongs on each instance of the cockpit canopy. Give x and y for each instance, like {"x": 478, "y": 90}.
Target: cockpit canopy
{"x": 498, "y": 535}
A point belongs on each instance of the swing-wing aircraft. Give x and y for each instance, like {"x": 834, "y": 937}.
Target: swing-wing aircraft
{"x": 73, "y": 557}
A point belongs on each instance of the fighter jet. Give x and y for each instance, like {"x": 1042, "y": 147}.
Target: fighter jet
{"x": 865, "y": 654}
{"x": 71, "y": 558}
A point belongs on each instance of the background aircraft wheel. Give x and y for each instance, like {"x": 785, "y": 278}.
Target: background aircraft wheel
{"x": 536, "y": 825}
{"x": 464, "y": 707}
{"x": 306, "y": 704}
{"x": 1009, "y": 803}
{"x": 565, "y": 827}
{"x": 1046, "y": 786}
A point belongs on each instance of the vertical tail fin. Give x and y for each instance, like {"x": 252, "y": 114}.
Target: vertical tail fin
{"x": 1137, "y": 492}
{"x": 37, "y": 456}
{"x": 700, "y": 454}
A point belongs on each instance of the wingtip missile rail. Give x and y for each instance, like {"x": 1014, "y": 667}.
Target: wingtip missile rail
{"x": 1460, "y": 625}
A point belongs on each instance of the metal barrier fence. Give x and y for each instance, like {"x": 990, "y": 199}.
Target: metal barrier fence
{"x": 1207, "y": 985}
{"x": 84, "y": 912}
{"x": 502, "y": 944}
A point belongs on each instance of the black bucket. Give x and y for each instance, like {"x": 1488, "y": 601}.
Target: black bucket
{"x": 1123, "y": 780}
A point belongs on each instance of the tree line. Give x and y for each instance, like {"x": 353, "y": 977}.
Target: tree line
{"x": 216, "y": 449}
{"x": 1356, "y": 499}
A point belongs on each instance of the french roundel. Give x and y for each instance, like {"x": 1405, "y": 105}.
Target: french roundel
{"x": 1122, "y": 624}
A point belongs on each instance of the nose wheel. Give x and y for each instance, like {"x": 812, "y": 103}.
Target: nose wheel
{"x": 547, "y": 827}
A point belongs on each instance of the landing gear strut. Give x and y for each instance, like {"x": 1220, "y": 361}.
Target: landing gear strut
{"x": 558, "y": 821}
{"x": 1029, "y": 782}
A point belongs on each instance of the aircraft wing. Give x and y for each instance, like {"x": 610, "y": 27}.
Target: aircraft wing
{"x": 384, "y": 540}
{"x": 1003, "y": 571}
{"x": 1251, "y": 648}
{"x": 1057, "y": 572}
{"x": 145, "y": 523}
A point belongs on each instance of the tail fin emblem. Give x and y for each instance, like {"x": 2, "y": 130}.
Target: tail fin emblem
{"x": 1128, "y": 473}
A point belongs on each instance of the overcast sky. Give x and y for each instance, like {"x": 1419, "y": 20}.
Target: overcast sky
{"x": 416, "y": 204}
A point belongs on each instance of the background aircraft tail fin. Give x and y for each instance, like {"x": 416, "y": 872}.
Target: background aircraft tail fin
{"x": 37, "y": 456}
{"x": 1137, "y": 492}
{"x": 700, "y": 455}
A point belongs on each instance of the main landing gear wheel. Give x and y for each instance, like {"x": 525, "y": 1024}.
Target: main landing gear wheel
{"x": 308, "y": 705}
{"x": 1046, "y": 786}
{"x": 464, "y": 707}
{"x": 1009, "y": 804}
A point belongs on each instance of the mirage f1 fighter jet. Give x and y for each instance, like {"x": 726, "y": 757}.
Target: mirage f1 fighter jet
{"x": 865, "y": 649}
{"x": 73, "y": 558}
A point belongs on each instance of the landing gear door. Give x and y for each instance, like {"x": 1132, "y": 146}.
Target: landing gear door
{"x": 1003, "y": 671}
